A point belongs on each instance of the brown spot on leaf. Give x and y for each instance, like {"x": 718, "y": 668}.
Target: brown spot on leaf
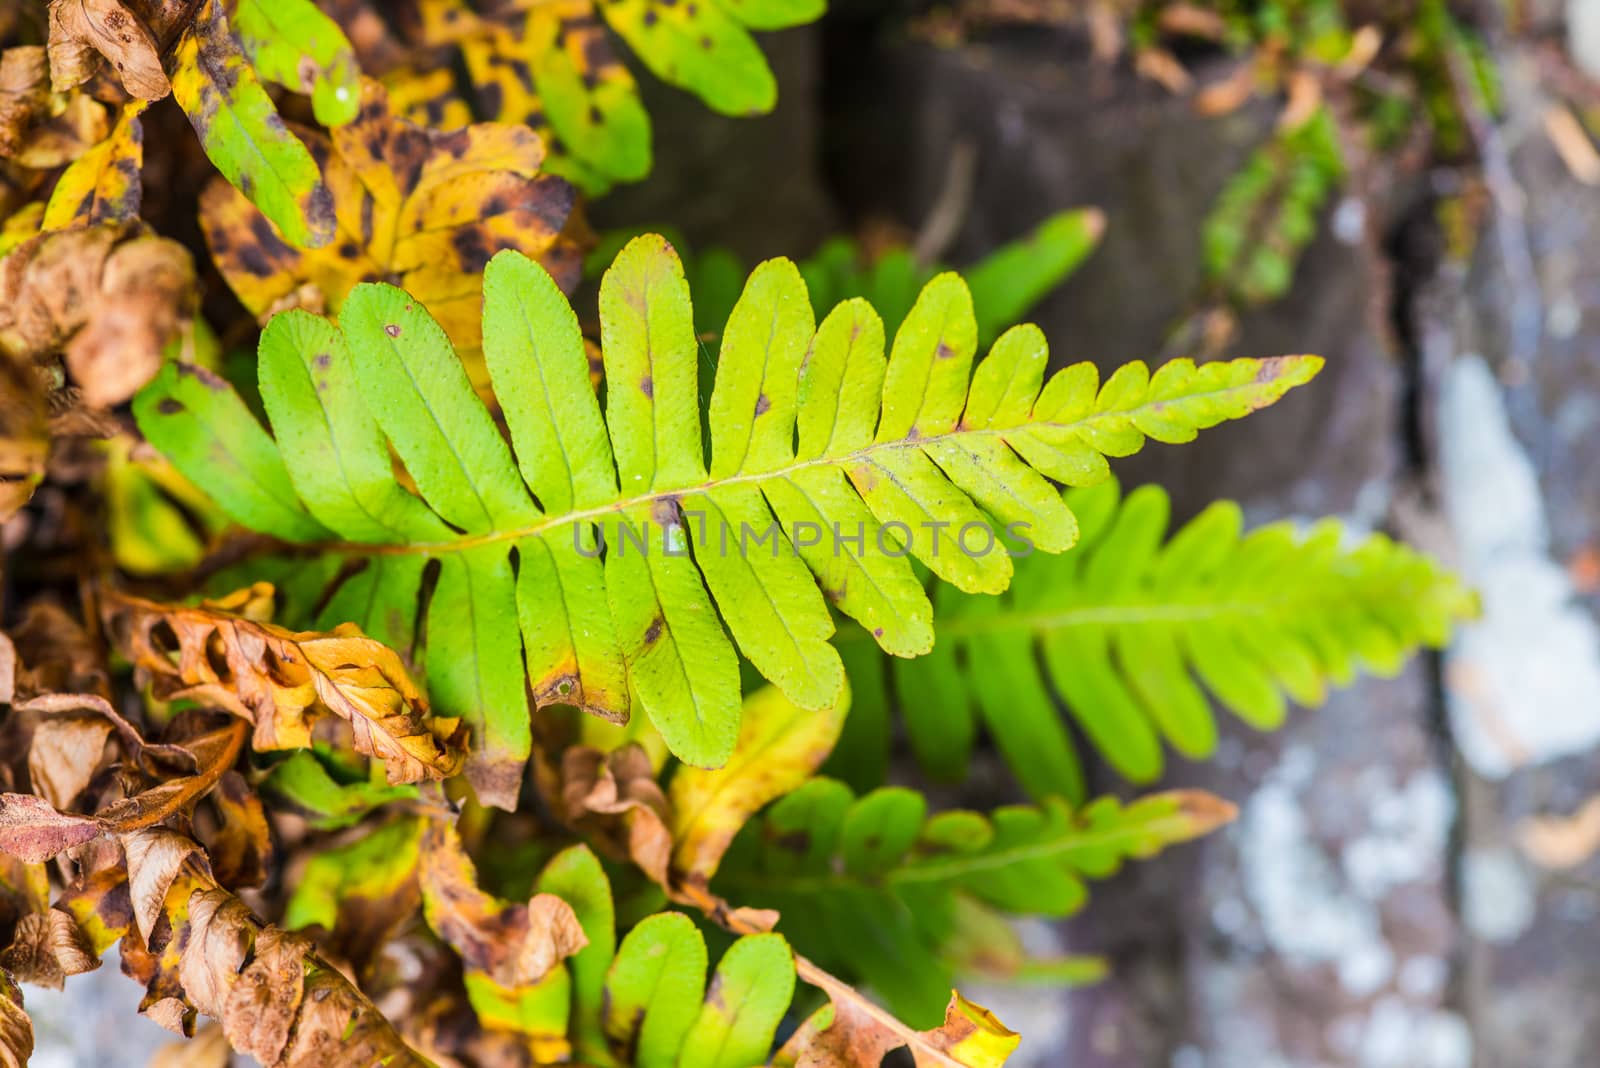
{"x": 472, "y": 248}
{"x": 392, "y": 329}
{"x": 796, "y": 841}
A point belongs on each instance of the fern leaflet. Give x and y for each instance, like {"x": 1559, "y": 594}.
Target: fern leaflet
{"x": 1132, "y": 634}
{"x": 828, "y": 466}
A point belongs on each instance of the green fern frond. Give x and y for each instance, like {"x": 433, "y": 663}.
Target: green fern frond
{"x": 840, "y": 462}
{"x": 1131, "y": 634}
{"x": 876, "y": 888}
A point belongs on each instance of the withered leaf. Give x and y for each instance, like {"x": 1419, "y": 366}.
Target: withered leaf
{"x": 101, "y": 903}
{"x": 31, "y": 828}
{"x": 112, "y": 297}
{"x": 59, "y": 655}
{"x": 257, "y": 1001}
{"x": 514, "y": 945}
{"x": 63, "y": 756}
{"x": 16, "y": 1030}
{"x": 283, "y": 682}
{"x": 155, "y": 858}
{"x": 34, "y": 831}
{"x": 421, "y": 208}
{"x": 616, "y": 799}
{"x": 24, "y": 95}
{"x": 852, "y": 1032}
{"x": 46, "y": 947}
{"x": 274, "y": 997}
{"x": 242, "y": 845}
{"x": 153, "y": 759}
{"x": 262, "y": 1006}
{"x": 214, "y": 752}
{"x": 39, "y": 129}
{"x": 83, "y": 30}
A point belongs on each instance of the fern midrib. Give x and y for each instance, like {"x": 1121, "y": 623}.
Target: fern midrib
{"x": 1093, "y": 615}
{"x": 1130, "y": 613}
{"x": 866, "y": 453}
{"x": 1122, "y": 838}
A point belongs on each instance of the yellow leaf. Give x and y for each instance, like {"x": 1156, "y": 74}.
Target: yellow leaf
{"x": 102, "y": 185}
{"x": 421, "y": 208}
{"x": 850, "y": 1031}
{"x": 780, "y": 746}
{"x": 972, "y": 1035}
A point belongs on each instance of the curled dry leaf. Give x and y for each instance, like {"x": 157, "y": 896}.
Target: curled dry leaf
{"x": 39, "y": 129}
{"x": 241, "y": 846}
{"x": 46, "y": 947}
{"x": 284, "y": 682}
{"x": 24, "y": 95}
{"x": 513, "y": 945}
{"x": 63, "y": 756}
{"x": 59, "y": 656}
{"x": 34, "y": 831}
{"x": 31, "y": 828}
{"x": 851, "y": 1032}
{"x": 616, "y": 799}
{"x": 16, "y": 1031}
{"x": 110, "y": 296}
{"x": 275, "y": 998}
{"x": 155, "y": 858}
{"x": 154, "y": 760}
{"x": 81, "y": 31}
